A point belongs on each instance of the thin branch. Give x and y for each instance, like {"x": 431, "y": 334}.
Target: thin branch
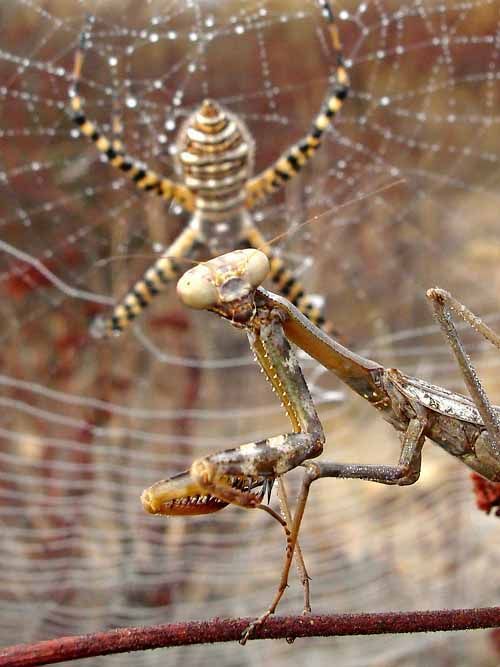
{"x": 225, "y": 630}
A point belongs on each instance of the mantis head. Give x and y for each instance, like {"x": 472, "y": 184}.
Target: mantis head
{"x": 226, "y": 284}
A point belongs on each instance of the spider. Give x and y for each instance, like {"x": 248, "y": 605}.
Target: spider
{"x": 215, "y": 156}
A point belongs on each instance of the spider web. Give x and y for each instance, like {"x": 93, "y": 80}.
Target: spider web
{"x": 87, "y": 424}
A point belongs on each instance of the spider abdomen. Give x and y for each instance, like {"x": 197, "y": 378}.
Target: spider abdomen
{"x": 216, "y": 154}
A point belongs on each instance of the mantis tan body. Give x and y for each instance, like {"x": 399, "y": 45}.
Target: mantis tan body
{"x": 229, "y": 285}
{"x": 450, "y": 420}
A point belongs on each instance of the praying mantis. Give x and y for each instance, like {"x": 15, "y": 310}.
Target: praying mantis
{"x": 467, "y": 428}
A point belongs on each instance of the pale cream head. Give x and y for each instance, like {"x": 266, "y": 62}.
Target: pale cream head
{"x": 223, "y": 279}
{"x": 196, "y": 288}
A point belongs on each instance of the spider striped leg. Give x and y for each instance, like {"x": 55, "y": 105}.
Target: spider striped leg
{"x": 163, "y": 272}
{"x": 288, "y": 284}
{"x": 291, "y": 162}
{"x": 117, "y": 127}
{"x": 143, "y": 177}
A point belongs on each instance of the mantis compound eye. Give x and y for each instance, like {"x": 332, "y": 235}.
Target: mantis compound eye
{"x": 257, "y": 267}
{"x": 196, "y": 288}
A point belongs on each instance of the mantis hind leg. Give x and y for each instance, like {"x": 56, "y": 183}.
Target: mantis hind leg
{"x": 443, "y": 305}
{"x": 301, "y": 566}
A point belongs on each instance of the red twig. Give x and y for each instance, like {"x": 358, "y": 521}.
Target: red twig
{"x": 225, "y": 630}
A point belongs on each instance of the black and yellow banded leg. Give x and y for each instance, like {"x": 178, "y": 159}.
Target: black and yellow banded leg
{"x": 292, "y": 161}
{"x": 117, "y": 128}
{"x": 144, "y": 178}
{"x": 167, "y": 269}
{"x": 287, "y": 284}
